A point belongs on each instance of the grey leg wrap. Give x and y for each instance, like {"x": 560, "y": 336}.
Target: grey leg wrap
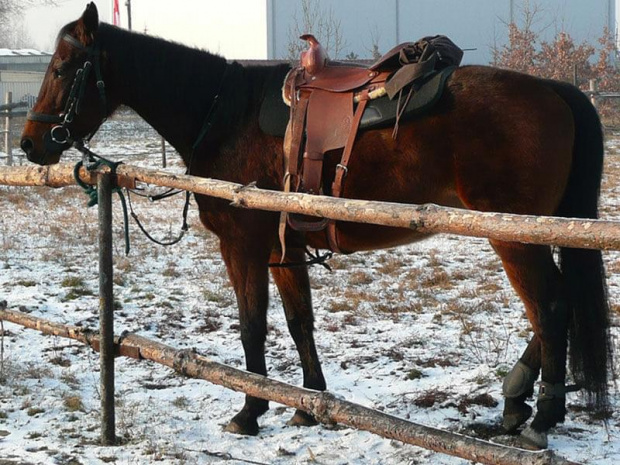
{"x": 519, "y": 381}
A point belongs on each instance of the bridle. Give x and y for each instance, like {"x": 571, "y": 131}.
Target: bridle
{"x": 59, "y": 136}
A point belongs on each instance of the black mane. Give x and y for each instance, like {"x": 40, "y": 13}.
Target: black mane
{"x": 175, "y": 73}
{"x": 184, "y": 81}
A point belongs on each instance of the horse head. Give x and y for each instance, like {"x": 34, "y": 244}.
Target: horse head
{"x": 72, "y": 101}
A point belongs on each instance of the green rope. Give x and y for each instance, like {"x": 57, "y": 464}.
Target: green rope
{"x": 93, "y": 195}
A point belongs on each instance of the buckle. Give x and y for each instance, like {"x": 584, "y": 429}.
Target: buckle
{"x": 548, "y": 391}
{"x": 343, "y": 168}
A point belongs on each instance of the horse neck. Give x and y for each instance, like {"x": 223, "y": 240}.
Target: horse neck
{"x": 170, "y": 86}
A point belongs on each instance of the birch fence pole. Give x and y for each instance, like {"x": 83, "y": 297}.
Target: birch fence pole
{"x": 106, "y": 309}
{"x": 593, "y": 92}
{"x": 164, "y": 162}
{"x": 8, "y": 100}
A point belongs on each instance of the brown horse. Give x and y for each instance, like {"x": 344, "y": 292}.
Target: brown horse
{"x": 495, "y": 141}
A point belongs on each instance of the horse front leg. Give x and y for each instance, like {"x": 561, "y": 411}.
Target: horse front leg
{"x": 294, "y": 287}
{"x": 247, "y": 269}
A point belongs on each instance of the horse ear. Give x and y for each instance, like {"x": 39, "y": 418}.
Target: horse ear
{"x": 88, "y": 24}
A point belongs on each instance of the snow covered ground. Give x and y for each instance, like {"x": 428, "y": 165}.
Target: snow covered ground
{"x": 425, "y": 332}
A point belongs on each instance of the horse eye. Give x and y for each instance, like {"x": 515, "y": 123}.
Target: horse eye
{"x": 57, "y": 73}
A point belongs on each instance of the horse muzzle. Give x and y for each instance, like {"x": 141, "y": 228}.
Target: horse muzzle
{"x": 48, "y": 151}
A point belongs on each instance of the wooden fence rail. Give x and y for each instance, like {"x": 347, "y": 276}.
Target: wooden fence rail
{"x": 326, "y": 407}
{"x": 429, "y": 218}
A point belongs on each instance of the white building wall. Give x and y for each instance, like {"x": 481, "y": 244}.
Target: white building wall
{"x": 475, "y": 24}
{"x": 22, "y": 91}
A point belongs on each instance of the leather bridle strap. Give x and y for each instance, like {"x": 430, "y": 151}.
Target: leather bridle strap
{"x": 76, "y": 94}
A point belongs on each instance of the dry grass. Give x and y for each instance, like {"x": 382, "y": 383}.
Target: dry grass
{"x": 360, "y": 278}
{"x": 431, "y": 398}
{"x": 484, "y": 400}
{"x": 171, "y": 270}
{"x": 34, "y": 411}
{"x": 181, "y": 402}
{"x": 397, "y": 308}
{"x": 36, "y": 371}
{"x": 336, "y": 306}
{"x": 437, "y": 278}
{"x": 124, "y": 264}
{"x": 72, "y": 281}
{"x": 73, "y": 403}
{"x": 489, "y": 287}
{"x": 389, "y": 264}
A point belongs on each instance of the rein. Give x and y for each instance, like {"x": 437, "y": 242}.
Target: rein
{"x": 206, "y": 127}
{"x": 59, "y": 136}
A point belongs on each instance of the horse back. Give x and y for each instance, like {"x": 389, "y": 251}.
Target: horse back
{"x": 496, "y": 140}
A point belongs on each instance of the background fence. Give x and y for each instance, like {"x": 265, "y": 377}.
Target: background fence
{"x": 9, "y": 111}
{"x": 126, "y": 125}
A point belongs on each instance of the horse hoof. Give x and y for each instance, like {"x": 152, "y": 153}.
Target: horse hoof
{"x": 302, "y": 418}
{"x": 534, "y": 438}
{"x": 513, "y": 421}
{"x": 250, "y": 429}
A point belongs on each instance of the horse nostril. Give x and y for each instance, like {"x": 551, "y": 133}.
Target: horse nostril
{"x": 27, "y": 145}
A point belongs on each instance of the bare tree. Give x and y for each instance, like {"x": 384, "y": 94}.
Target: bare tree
{"x": 520, "y": 52}
{"x": 21, "y": 38}
{"x": 320, "y": 22}
{"x": 560, "y": 58}
{"x": 12, "y": 32}
{"x": 375, "y": 37}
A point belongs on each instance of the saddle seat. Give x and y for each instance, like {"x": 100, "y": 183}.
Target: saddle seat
{"x": 320, "y": 73}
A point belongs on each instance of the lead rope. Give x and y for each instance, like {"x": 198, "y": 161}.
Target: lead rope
{"x": 184, "y": 226}
{"x": 92, "y": 161}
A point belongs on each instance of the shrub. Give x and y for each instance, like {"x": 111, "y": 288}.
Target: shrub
{"x": 562, "y": 59}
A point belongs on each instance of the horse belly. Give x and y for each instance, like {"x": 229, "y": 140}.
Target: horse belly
{"x": 354, "y": 237}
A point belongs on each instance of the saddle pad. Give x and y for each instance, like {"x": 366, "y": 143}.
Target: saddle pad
{"x": 379, "y": 113}
{"x": 274, "y": 113}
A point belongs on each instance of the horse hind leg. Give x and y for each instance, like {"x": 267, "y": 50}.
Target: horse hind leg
{"x": 294, "y": 287}
{"x": 519, "y": 386}
{"x": 536, "y": 278}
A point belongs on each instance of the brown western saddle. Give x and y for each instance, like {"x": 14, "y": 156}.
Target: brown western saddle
{"x": 327, "y": 101}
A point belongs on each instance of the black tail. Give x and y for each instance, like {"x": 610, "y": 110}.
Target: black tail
{"x": 582, "y": 270}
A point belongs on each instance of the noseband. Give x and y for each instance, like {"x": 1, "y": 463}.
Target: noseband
{"x": 59, "y": 135}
